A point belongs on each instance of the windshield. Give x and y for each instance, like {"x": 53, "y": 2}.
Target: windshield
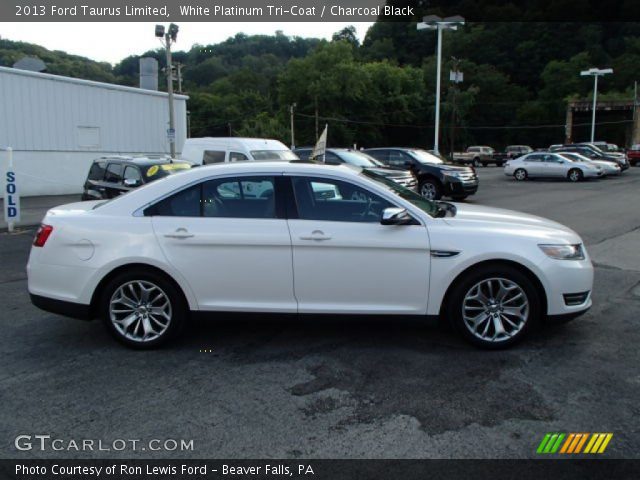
{"x": 422, "y": 203}
{"x": 425, "y": 157}
{"x": 358, "y": 159}
{"x": 273, "y": 155}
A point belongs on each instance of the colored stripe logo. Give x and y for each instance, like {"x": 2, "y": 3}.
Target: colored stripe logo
{"x": 573, "y": 443}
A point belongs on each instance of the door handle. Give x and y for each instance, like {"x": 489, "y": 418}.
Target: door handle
{"x": 317, "y": 235}
{"x": 180, "y": 233}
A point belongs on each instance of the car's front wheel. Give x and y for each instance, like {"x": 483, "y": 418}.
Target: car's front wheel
{"x": 142, "y": 309}
{"x": 476, "y": 162}
{"x": 575, "y": 175}
{"x": 430, "y": 189}
{"x": 520, "y": 174}
{"x": 494, "y": 306}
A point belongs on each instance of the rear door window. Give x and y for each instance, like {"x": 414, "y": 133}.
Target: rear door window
{"x": 96, "y": 173}
{"x": 213, "y": 156}
{"x": 114, "y": 173}
{"x": 237, "y": 157}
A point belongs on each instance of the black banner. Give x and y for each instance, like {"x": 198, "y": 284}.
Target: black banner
{"x": 318, "y": 469}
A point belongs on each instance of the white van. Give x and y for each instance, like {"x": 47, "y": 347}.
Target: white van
{"x": 207, "y": 150}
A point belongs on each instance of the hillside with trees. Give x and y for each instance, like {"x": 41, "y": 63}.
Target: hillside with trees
{"x": 518, "y": 78}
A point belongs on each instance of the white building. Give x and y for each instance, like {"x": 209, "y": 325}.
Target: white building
{"x": 57, "y": 125}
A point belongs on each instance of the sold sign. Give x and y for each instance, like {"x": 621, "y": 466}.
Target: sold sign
{"x": 11, "y": 196}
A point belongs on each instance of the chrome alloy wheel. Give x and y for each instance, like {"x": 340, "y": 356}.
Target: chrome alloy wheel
{"x": 140, "y": 311}
{"x": 428, "y": 191}
{"x": 495, "y": 309}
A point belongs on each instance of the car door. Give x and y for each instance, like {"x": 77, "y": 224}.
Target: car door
{"x": 229, "y": 239}
{"x": 132, "y": 178}
{"x": 346, "y": 261}
{"x": 555, "y": 166}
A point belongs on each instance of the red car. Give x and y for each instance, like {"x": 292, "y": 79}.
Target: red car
{"x": 633, "y": 155}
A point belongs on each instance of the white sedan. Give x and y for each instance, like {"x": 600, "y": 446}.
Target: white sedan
{"x": 264, "y": 237}
{"x": 550, "y": 165}
{"x": 609, "y": 168}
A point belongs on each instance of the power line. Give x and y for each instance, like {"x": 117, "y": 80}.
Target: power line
{"x": 461, "y": 127}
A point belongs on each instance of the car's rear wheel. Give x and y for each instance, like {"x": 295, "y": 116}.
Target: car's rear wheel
{"x": 520, "y": 174}
{"x": 142, "y": 309}
{"x": 430, "y": 189}
{"x": 494, "y": 306}
{"x": 575, "y": 175}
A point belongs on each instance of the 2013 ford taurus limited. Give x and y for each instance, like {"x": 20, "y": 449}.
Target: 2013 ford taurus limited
{"x": 302, "y": 239}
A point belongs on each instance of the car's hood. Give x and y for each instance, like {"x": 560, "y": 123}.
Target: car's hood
{"x": 488, "y": 218}
{"x": 605, "y": 163}
{"x": 389, "y": 172}
{"x": 449, "y": 167}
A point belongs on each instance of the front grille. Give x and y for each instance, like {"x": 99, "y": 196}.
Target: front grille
{"x": 409, "y": 181}
{"x": 573, "y": 299}
{"x": 468, "y": 177}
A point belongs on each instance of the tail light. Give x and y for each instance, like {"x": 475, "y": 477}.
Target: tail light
{"x": 42, "y": 235}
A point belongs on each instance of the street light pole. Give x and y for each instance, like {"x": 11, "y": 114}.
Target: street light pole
{"x": 169, "y": 37}
{"x": 432, "y": 22}
{"x": 595, "y": 73}
{"x": 292, "y": 108}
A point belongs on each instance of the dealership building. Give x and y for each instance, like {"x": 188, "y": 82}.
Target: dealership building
{"x": 57, "y": 125}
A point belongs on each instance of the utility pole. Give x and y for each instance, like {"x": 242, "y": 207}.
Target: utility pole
{"x": 456, "y": 76}
{"x": 179, "y": 72}
{"x": 169, "y": 37}
{"x": 292, "y": 108}
{"x": 317, "y": 117}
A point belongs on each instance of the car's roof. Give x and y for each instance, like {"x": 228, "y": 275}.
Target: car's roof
{"x": 140, "y": 161}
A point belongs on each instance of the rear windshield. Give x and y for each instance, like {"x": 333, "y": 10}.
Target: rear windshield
{"x": 154, "y": 172}
{"x": 273, "y": 155}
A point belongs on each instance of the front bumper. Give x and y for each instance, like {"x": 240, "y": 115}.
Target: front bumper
{"x": 562, "y": 281}
{"x": 457, "y": 187}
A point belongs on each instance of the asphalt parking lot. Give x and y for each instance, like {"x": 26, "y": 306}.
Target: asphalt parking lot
{"x": 251, "y": 389}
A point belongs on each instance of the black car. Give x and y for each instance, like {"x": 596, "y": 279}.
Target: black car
{"x": 112, "y": 176}
{"x": 339, "y": 156}
{"x": 436, "y": 177}
{"x": 592, "y": 152}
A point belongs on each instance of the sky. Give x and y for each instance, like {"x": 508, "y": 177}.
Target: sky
{"x": 111, "y": 42}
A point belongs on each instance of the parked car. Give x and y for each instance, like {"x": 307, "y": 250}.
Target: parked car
{"x": 538, "y": 165}
{"x": 355, "y": 158}
{"x": 594, "y": 153}
{"x": 633, "y": 154}
{"x": 477, "y": 155}
{"x": 512, "y": 151}
{"x": 207, "y": 150}
{"x": 109, "y": 177}
{"x": 609, "y": 168}
{"x": 147, "y": 261}
{"x": 436, "y": 178}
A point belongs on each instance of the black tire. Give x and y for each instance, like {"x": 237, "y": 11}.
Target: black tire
{"x": 575, "y": 175}
{"x": 177, "y": 305}
{"x": 465, "y": 285}
{"x": 499, "y": 164}
{"x": 430, "y": 189}
{"x": 476, "y": 162}
{"x": 520, "y": 174}
{"x": 459, "y": 198}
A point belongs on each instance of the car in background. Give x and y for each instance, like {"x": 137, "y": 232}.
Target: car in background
{"x": 208, "y": 150}
{"x": 436, "y": 178}
{"x": 594, "y": 153}
{"x": 355, "y": 158}
{"x": 110, "y": 177}
{"x": 477, "y": 155}
{"x": 550, "y": 165}
{"x": 147, "y": 262}
{"x": 609, "y": 168}
{"x": 512, "y": 151}
{"x": 633, "y": 154}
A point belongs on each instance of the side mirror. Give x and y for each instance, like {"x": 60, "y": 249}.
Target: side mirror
{"x": 396, "y": 216}
{"x": 131, "y": 182}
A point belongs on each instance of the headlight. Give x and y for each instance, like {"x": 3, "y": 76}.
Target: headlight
{"x": 563, "y": 252}
{"x": 452, "y": 174}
